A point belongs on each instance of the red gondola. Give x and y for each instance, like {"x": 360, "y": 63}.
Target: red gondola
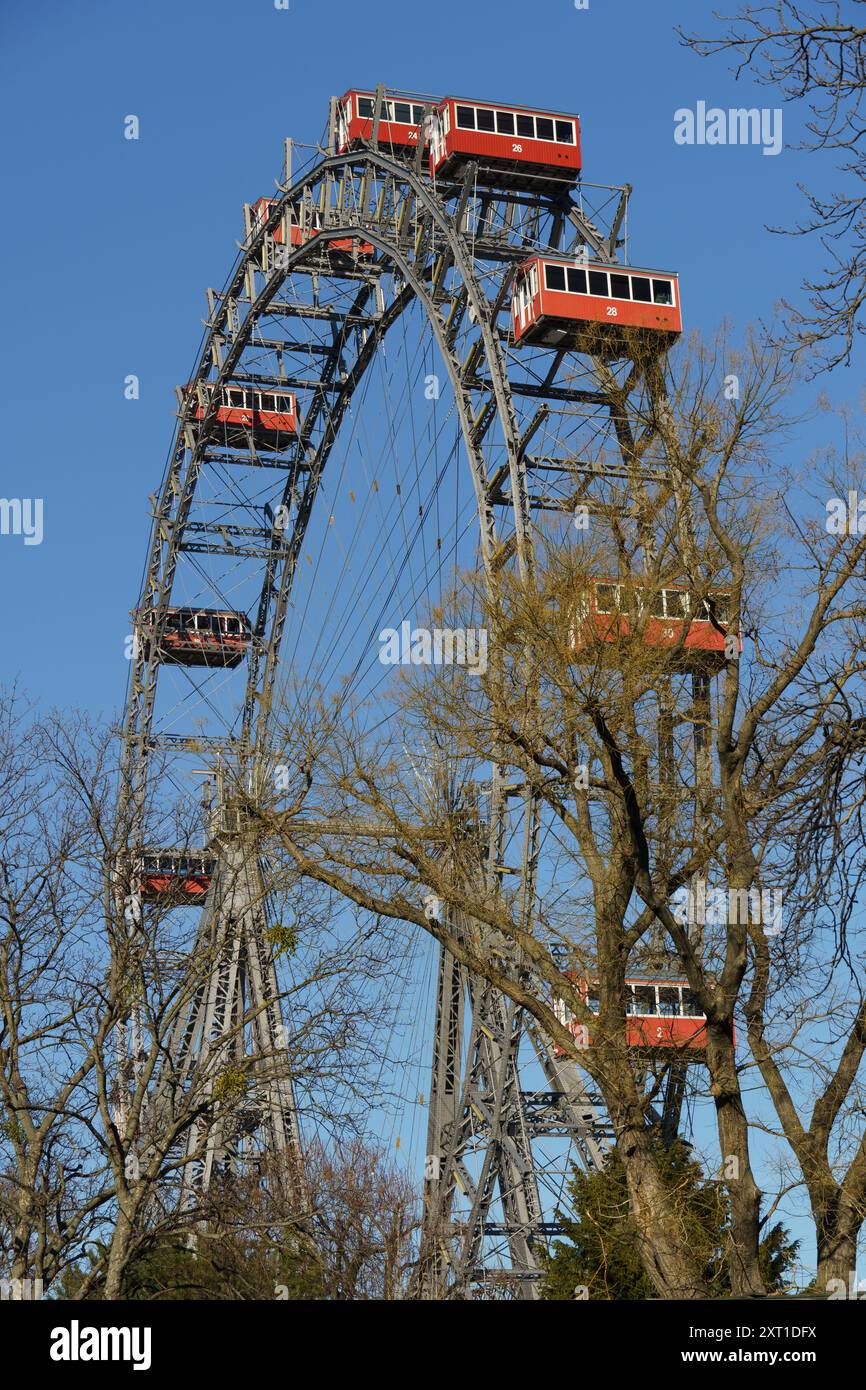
{"x": 662, "y": 1016}
{"x": 199, "y": 636}
{"x": 694, "y": 630}
{"x": 516, "y": 145}
{"x": 270, "y": 418}
{"x": 594, "y": 307}
{"x": 400, "y": 122}
{"x": 339, "y": 248}
{"x": 174, "y": 877}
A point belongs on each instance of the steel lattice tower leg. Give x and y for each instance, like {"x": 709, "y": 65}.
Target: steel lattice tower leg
{"x": 442, "y": 1119}
{"x": 234, "y": 1021}
{"x": 485, "y": 1114}
{"x": 482, "y": 1122}
{"x": 488, "y": 1115}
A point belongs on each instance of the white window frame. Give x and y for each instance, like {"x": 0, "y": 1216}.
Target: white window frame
{"x": 597, "y": 270}
{"x": 700, "y": 616}
{"x": 669, "y": 984}
{"x": 557, "y": 265}
{"x": 680, "y": 594}
{"x": 654, "y": 598}
{"x": 617, "y": 598}
{"x": 466, "y": 107}
{"x": 683, "y": 990}
{"x": 670, "y": 280}
{"x": 531, "y": 116}
{"x": 645, "y": 984}
{"x": 612, "y": 270}
{"x": 494, "y": 131}
{"x": 581, "y": 294}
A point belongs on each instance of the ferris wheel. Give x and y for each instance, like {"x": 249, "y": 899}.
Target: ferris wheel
{"x": 394, "y": 386}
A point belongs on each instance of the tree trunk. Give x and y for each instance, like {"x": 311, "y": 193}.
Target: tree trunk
{"x": 836, "y": 1230}
{"x": 25, "y": 1226}
{"x": 666, "y": 1257}
{"x": 743, "y": 1260}
{"x": 118, "y": 1256}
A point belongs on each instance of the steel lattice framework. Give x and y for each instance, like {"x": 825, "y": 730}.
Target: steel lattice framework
{"x": 537, "y": 436}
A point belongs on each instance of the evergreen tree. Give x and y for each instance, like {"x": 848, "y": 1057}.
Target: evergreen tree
{"x": 600, "y": 1250}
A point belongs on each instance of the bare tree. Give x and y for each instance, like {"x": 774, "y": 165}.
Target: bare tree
{"x": 815, "y": 53}
{"x": 366, "y": 1217}
{"x": 357, "y": 1239}
{"x": 648, "y": 780}
{"x": 105, "y": 1121}
{"x": 53, "y": 1195}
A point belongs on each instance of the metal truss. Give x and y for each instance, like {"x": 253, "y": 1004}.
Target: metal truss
{"x": 482, "y": 1124}
{"x": 234, "y": 1015}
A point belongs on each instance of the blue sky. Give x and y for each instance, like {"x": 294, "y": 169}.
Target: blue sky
{"x": 109, "y": 244}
